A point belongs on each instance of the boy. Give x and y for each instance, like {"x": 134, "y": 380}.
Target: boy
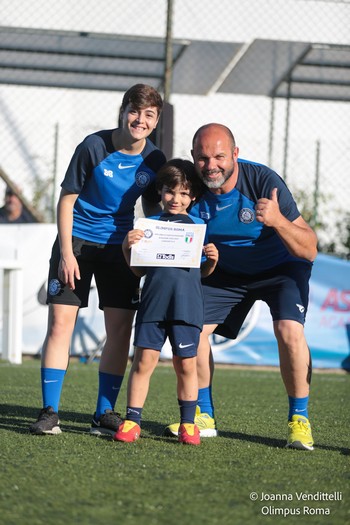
{"x": 171, "y": 306}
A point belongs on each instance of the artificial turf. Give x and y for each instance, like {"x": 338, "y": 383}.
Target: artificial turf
{"x": 243, "y": 476}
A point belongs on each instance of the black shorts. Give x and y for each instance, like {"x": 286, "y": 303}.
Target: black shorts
{"x": 228, "y": 298}
{"x": 184, "y": 338}
{"x": 117, "y": 286}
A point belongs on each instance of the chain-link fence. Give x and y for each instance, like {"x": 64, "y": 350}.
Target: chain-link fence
{"x": 277, "y": 72}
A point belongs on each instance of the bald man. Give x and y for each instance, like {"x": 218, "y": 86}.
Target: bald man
{"x": 266, "y": 252}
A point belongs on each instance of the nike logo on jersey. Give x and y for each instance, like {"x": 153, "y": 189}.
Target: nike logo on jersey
{"x": 181, "y": 345}
{"x": 219, "y": 208}
{"x": 122, "y": 167}
{"x": 300, "y": 307}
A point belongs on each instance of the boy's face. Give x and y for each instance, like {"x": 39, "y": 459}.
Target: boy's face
{"x": 139, "y": 122}
{"x": 176, "y": 200}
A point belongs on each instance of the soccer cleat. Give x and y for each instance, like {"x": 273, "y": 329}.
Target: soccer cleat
{"x": 107, "y": 424}
{"x": 205, "y": 423}
{"x": 299, "y": 433}
{"x": 47, "y": 423}
{"x": 128, "y": 432}
{"x": 189, "y": 434}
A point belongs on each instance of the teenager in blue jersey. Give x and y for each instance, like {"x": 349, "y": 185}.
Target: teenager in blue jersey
{"x": 266, "y": 251}
{"x": 108, "y": 172}
{"x": 171, "y": 306}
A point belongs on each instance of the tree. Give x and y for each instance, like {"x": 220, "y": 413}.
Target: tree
{"x": 332, "y": 241}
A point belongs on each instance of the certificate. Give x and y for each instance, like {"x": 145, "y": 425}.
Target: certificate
{"x": 168, "y": 244}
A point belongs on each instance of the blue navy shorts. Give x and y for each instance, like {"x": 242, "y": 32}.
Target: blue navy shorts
{"x": 184, "y": 338}
{"x": 116, "y": 285}
{"x": 228, "y": 298}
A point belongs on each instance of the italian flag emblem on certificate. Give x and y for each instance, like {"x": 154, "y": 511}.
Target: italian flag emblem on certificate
{"x": 189, "y": 237}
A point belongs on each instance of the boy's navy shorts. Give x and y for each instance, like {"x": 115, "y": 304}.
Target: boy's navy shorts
{"x": 117, "y": 286}
{"x": 228, "y": 298}
{"x": 184, "y": 338}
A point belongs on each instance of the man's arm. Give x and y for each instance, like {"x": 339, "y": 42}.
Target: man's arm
{"x": 298, "y": 237}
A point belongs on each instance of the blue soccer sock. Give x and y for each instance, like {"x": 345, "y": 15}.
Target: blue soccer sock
{"x": 187, "y": 411}
{"x": 134, "y": 414}
{"x": 51, "y": 386}
{"x": 205, "y": 401}
{"x": 108, "y": 390}
{"x": 298, "y": 406}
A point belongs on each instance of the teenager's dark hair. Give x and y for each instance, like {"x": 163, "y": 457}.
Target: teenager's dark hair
{"x": 180, "y": 171}
{"x": 142, "y": 96}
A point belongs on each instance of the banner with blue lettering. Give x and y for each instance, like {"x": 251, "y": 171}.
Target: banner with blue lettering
{"x": 327, "y": 327}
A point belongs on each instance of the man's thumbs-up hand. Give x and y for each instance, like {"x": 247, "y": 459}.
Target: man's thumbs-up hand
{"x": 267, "y": 210}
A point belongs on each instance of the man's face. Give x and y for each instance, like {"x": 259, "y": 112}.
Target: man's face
{"x": 214, "y": 157}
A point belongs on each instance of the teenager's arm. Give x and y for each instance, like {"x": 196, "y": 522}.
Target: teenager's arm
{"x": 68, "y": 269}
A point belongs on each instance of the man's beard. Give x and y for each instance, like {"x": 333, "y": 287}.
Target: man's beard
{"x": 219, "y": 181}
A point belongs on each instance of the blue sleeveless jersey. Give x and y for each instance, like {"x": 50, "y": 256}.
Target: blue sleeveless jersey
{"x": 109, "y": 183}
{"x": 245, "y": 245}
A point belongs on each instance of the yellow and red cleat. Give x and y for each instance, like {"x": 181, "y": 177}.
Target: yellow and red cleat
{"x": 189, "y": 434}
{"x": 128, "y": 432}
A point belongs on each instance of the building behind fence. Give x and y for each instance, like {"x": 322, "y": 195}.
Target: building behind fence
{"x": 277, "y": 72}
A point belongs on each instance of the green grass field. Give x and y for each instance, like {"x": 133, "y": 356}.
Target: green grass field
{"x": 75, "y": 478}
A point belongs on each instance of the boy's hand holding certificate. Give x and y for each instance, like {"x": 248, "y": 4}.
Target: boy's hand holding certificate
{"x": 168, "y": 244}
